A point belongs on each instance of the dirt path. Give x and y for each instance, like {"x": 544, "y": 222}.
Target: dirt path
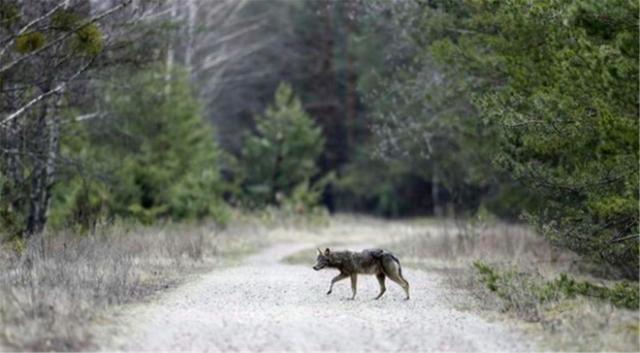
{"x": 265, "y": 305}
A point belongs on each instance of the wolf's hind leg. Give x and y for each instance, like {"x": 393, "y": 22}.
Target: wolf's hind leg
{"x": 383, "y": 288}
{"x": 354, "y": 284}
{"x": 335, "y": 279}
{"x": 402, "y": 282}
{"x": 394, "y": 272}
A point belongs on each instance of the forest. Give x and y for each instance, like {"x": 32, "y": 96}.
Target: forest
{"x": 157, "y": 114}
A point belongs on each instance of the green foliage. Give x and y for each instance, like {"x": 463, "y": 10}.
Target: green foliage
{"x": 508, "y": 284}
{"x": 555, "y": 92}
{"x": 386, "y": 187}
{"x": 305, "y": 197}
{"x": 170, "y": 166}
{"x": 279, "y": 159}
{"x": 488, "y": 275}
{"x": 12, "y": 221}
{"x": 423, "y": 116}
{"x": 88, "y": 40}
{"x": 28, "y": 42}
{"x": 156, "y": 157}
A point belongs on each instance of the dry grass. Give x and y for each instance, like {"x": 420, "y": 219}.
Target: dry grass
{"x": 457, "y": 244}
{"x": 561, "y": 324}
{"x": 52, "y": 287}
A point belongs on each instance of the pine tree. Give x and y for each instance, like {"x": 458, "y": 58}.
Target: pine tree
{"x": 158, "y": 155}
{"x": 282, "y": 152}
{"x": 556, "y": 84}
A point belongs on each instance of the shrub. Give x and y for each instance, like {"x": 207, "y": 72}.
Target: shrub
{"x": 508, "y": 284}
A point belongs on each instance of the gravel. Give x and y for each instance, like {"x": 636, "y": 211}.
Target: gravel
{"x": 265, "y": 305}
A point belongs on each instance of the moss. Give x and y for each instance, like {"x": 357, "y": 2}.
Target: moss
{"x": 88, "y": 40}
{"x": 29, "y": 42}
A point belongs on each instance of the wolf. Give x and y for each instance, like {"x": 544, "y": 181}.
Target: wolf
{"x": 378, "y": 262}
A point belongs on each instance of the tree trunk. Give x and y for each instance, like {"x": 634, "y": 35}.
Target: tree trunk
{"x": 275, "y": 189}
{"x": 170, "y": 50}
{"x": 192, "y": 9}
{"x": 435, "y": 193}
{"x": 44, "y": 170}
{"x": 352, "y": 77}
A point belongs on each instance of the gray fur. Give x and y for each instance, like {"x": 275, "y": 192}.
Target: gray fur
{"x": 378, "y": 262}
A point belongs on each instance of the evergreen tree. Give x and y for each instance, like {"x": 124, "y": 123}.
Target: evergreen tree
{"x": 554, "y": 86}
{"x": 568, "y": 117}
{"x": 281, "y": 154}
{"x": 157, "y": 155}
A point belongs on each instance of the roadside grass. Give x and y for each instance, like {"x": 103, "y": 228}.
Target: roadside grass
{"x": 502, "y": 269}
{"x": 53, "y": 287}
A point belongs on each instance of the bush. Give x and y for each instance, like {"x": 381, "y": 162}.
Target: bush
{"x": 508, "y": 284}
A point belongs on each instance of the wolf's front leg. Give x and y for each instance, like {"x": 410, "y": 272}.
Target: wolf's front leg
{"x": 354, "y": 283}
{"x": 335, "y": 279}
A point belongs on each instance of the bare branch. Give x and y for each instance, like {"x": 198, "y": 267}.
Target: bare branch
{"x": 58, "y": 89}
{"x": 94, "y": 19}
{"x": 33, "y": 102}
{"x": 29, "y": 25}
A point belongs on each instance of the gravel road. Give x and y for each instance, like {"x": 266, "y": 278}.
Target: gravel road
{"x": 266, "y": 305}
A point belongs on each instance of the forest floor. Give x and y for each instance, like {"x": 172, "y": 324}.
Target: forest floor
{"x": 267, "y": 304}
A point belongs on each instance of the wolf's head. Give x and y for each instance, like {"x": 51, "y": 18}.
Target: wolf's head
{"x": 323, "y": 260}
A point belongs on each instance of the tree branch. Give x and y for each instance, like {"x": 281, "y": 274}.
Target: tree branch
{"x": 94, "y": 19}
{"x": 28, "y": 25}
{"x": 619, "y": 240}
{"x": 58, "y": 89}
{"x": 33, "y": 102}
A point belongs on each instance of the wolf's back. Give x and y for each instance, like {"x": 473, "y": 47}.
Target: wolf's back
{"x": 376, "y": 253}
{"x": 379, "y": 254}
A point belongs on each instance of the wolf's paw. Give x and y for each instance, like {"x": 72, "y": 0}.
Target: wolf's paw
{"x": 329, "y": 292}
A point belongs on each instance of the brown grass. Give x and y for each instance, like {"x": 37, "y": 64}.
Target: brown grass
{"x": 563, "y": 324}
{"x": 53, "y": 287}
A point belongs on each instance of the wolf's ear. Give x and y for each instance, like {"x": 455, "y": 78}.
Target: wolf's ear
{"x": 326, "y": 252}
{"x": 319, "y": 251}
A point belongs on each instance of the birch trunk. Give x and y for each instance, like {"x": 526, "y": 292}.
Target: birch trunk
{"x": 352, "y": 76}
{"x": 192, "y": 9}
{"x": 170, "y": 50}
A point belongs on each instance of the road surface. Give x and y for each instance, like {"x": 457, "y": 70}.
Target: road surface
{"x": 266, "y": 305}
